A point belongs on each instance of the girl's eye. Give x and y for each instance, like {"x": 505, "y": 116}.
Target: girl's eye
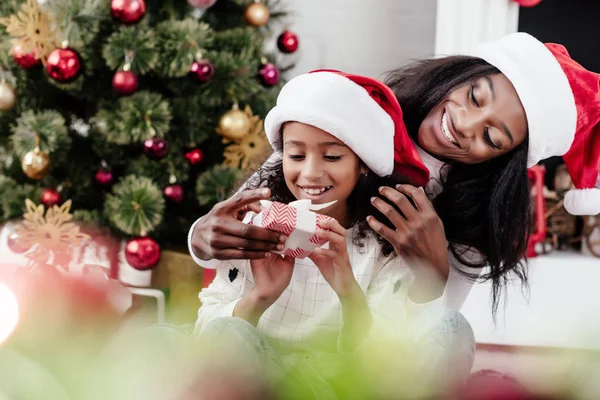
{"x": 296, "y": 157}
{"x": 333, "y": 158}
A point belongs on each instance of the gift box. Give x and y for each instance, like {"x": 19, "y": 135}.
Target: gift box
{"x": 298, "y": 220}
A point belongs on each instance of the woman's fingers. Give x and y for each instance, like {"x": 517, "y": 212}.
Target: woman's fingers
{"x": 401, "y": 201}
{"x": 395, "y": 238}
{"x": 390, "y": 213}
{"x": 417, "y": 195}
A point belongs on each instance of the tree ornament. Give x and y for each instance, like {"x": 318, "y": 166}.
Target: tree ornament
{"x": 249, "y": 151}
{"x": 174, "y": 193}
{"x": 16, "y": 245}
{"x": 528, "y": 3}
{"x": 63, "y": 65}
{"x": 156, "y": 148}
{"x": 128, "y": 11}
{"x": 25, "y": 60}
{"x": 202, "y": 70}
{"x": 142, "y": 253}
{"x": 32, "y": 29}
{"x": 257, "y": 14}
{"x": 194, "y": 156}
{"x": 8, "y": 98}
{"x": 234, "y": 124}
{"x": 201, "y": 3}
{"x": 268, "y": 75}
{"x": 104, "y": 177}
{"x": 287, "y": 42}
{"x": 36, "y": 163}
{"x": 50, "y": 197}
{"x": 125, "y": 82}
{"x": 52, "y": 231}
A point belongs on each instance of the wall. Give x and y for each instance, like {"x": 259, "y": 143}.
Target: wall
{"x": 361, "y": 36}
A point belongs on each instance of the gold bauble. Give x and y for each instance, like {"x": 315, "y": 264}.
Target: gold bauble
{"x": 234, "y": 124}
{"x": 7, "y": 97}
{"x": 36, "y": 164}
{"x": 257, "y": 14}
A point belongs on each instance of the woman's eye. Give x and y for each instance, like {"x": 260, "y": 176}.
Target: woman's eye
{"x": 488, "y": 139}
{"x": 472, "y": 93}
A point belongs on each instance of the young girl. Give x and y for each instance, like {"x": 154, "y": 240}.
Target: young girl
{"x": 342, "y": 139}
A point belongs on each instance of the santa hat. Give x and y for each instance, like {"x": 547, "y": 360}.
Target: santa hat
{"x": 562, "y": 103}
{"x": 361, "y": 112}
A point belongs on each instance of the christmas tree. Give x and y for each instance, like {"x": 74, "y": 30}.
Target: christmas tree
{"x": 143, "y": 113}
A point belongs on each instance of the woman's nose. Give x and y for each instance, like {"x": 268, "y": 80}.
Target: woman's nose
{"x": 468, "y": 124}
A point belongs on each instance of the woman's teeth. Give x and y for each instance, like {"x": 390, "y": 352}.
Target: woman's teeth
{"x": 316, "y": 191}
{"x": 446, "y": 129}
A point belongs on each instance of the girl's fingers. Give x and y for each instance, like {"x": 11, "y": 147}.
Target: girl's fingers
{"x": 333, "y": 237}
{"x": 333, "y": 226}
{"x": 326, "y": 253}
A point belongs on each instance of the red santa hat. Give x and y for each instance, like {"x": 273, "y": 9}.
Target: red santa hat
{"x": 360, "y": 111}
{"x": 562, "y": 103}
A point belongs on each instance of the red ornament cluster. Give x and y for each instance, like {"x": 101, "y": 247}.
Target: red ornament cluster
{"x": 174, "y": 193}
{"x": 104, "y": 178}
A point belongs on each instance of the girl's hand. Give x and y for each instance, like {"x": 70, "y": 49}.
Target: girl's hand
{"x": 419, "y": 234}
{"x": 272, "y": 275}
{"x": 334, "y": 263}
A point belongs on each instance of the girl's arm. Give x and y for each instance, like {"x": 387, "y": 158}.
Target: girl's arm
{"x": 223, "y": 294}
{"x": 334, "y": 265}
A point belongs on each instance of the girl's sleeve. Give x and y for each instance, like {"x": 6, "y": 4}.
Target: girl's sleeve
{"x": 458, "y": 285}
{"x": 226, "y": 290}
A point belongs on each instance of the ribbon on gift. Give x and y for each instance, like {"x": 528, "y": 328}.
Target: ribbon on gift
{"x": 306, "y": 223}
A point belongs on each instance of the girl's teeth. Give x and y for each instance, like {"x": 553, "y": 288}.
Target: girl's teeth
{"x": 315, "y": 191}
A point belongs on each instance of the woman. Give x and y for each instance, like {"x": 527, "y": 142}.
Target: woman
{"x": 481, "y": 122}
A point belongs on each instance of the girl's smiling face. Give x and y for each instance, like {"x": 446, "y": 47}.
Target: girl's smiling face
{"x": 319, "y": 167}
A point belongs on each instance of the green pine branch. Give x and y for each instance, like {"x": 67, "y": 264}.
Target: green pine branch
{"x": 137, "y": 40}
{"x": 215, "y": 184}
{"x": 135, "y": 206}
{"x": 49, "y": 126}
{"x": 180, "y": 43}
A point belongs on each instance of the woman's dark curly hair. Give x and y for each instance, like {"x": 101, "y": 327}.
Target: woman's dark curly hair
{"x": 483, "y": 206}
{"x": 270, "y": 175}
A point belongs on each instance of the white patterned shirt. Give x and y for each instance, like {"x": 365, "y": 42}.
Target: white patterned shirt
{"x": 308, "y": 308}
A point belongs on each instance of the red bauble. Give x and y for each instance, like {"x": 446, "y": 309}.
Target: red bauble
{"x": 128, "y": 11}
{"x": 287, "y": 42}
{"x": 269, "y": 75}
{"x": 142, "y": 253}
{"x": 194, "y": 156}
{"x": 25, "y": 60}
{"x": 50, "y": 197}
{"x": 174, "y": 193}
{"x": 104, "y": 177}
{"x": 202, "y": 70}
{"x": 156, "y": 148}
{"x": 63, "y": 65}
{"x": 125, "y": 82}
{"x": 528, "y": 3}
{"x": 15, "y": 244}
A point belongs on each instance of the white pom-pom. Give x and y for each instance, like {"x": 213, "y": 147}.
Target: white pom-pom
{"x": 583, "y": 201}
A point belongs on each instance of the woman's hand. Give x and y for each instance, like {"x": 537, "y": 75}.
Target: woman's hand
{"x": 221, "y": 235}
{"x": 334, "y": 263}
{"x": 419, "y": 233}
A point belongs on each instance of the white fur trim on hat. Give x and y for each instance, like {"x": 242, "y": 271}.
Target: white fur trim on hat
{"x": 342, "y": 108}
{"x": 543, "y": 89}
{"x": 583, "y": 201}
